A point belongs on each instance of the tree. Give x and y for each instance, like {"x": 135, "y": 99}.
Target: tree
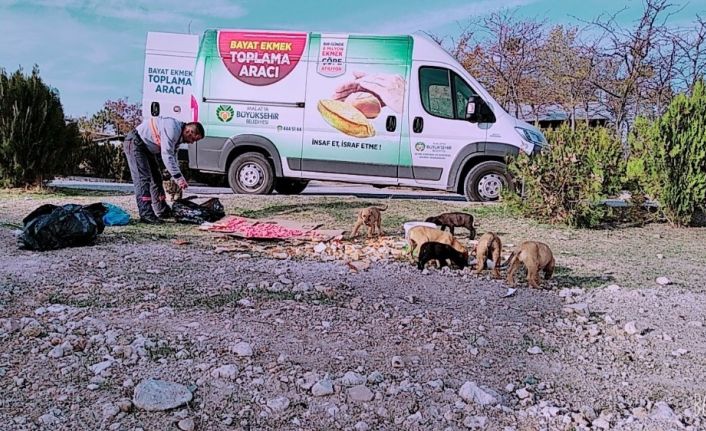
{"x": 36, "y": 142}
{"x": 626, "y": 59}
{"x": 101, "y": 156}
{"x": 625, "y": 71}
{"x": 567, "y": 69}
{"x": 507, "y": 60}
{"x": 680, "y": 149}
{"x": 690, "y": 55}
{"x": 117, "y": 117}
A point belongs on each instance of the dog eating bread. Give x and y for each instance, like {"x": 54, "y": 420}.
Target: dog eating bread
{"x": 536, "y": 256}
{"x": 419, "y": 235}
{"x": 489, "y": 247}
{"x": 441, "y": 253}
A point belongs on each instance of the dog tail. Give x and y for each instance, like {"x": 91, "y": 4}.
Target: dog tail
{"x": 387, "y": 205}
{"x": 509, "y": 259}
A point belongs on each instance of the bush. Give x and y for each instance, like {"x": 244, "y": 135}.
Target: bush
{"x": 104, "y": 160}
{"x": 565, "y": 183}
{"x": 36, "y": 143}
{"x": 668, "y": 158}
{"x": 644, "y": 171}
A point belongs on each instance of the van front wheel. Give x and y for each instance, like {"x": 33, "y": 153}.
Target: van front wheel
{"x": 485, "y": 181}
{"x": 251, "y": 174}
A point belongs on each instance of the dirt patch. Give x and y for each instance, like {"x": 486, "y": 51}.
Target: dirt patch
{"x": 605, "y": 346}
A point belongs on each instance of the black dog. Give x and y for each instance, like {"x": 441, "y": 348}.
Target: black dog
{"x": 452, "y": 220}
{"x": 440, "y": 252}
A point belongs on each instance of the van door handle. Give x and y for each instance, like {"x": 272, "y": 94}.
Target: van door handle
{"x": 391, "y": 123}
{"x": 418, "y": 125}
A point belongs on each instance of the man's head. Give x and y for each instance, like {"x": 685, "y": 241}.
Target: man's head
{"x": 192, "y": 132}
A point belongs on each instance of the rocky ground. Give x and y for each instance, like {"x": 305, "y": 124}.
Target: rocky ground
{"x": 154, "y": 329}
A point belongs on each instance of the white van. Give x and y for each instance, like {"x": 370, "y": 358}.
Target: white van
{"x": 282, "y": 108}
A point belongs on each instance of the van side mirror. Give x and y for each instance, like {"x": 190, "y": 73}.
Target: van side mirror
{"x": 471, "y": 109}
{"x": 477, "y": 111}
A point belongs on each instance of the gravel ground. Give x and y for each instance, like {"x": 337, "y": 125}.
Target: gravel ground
{"x": 262, "y": 343}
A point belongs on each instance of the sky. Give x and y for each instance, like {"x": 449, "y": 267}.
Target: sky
{"x": 93, "y": 50}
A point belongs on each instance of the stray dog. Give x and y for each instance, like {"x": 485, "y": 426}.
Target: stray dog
{"x": 171, "y": 187}
{"x": 536, "y": 256}
{"x": 371, "y": 217}
{"x": 488, "y": 247}
{"x": 440, "y": 252}
{"x": 452, "y": 220}
{"x": 419, "y": 235}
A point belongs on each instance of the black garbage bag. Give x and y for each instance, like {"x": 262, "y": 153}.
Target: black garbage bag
{"x": 189, "y": 212}
{"x": 51, "y": 227}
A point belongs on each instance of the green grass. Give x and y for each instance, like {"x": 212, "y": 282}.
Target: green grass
{"x": 586, "y": 258}
{"x": 211, "y": 302}
{"x": 230, "y": 298}
{"x": 160, "y": 352}
{"x": 528, "y": 342}
{"x": 336, "y": 209}
{"x": 166, "y": 230}
{"x": 89, "y": 302}
{"x": 54, "y": 193}
{"x": 566, "y": 278}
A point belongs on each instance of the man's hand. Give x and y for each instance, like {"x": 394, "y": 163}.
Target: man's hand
{"x": 388, "y": 88}
{"x": 181, "y": 182}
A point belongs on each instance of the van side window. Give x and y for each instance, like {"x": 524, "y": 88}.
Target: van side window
{"x": 444, "y": 93}
{"x": 436, "y": 91}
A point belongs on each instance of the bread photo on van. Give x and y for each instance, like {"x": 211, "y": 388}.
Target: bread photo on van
{"x": 346, "y": 118}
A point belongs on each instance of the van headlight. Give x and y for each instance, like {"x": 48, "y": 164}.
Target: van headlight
{"x": 531, "y": 136}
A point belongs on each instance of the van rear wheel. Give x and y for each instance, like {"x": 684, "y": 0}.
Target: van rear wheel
{"x": 288, "y": 186}
{"x": 251, "y": 174}
{"x": 486, "y": 181}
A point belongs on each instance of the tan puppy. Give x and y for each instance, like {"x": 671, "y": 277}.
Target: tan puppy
{"x": 172, "y": 189}
{"x": 419, "y": 235}
{"x": 488, "y": 247}
{"x": 371, "y": 217}
{"x": 536, "y": 256}
{"x": 170, "y": 186}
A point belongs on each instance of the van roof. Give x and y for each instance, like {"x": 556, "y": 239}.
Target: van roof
{"x": 280, "y": 30}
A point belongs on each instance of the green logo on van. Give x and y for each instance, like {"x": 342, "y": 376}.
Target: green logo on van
{"x": 225, "y": 113}
{"x": 419, "y": 146}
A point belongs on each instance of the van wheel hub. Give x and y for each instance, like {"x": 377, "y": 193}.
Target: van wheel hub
{"x": 490, "y": 186}
{"x": 251, "y": 175}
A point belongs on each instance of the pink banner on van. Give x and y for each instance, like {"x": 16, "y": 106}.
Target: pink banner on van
{"x": 259, "y": 58}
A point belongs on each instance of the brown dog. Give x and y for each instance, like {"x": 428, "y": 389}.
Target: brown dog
{"x": 488, "y": 247}
{"x": 536, "y": 256}
{"x": 371, "y": 217}
{"x": 419, "y": 235}
{"x": 453, "y": 220}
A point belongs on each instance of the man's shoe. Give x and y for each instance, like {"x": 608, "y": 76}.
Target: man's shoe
{"x": 150, "y": 219}
{"x": 167, "y": 213}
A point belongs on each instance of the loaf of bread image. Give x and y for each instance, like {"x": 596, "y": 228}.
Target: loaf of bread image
{"x": 366, "y": 103}
{"x": 346, "y": 118}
